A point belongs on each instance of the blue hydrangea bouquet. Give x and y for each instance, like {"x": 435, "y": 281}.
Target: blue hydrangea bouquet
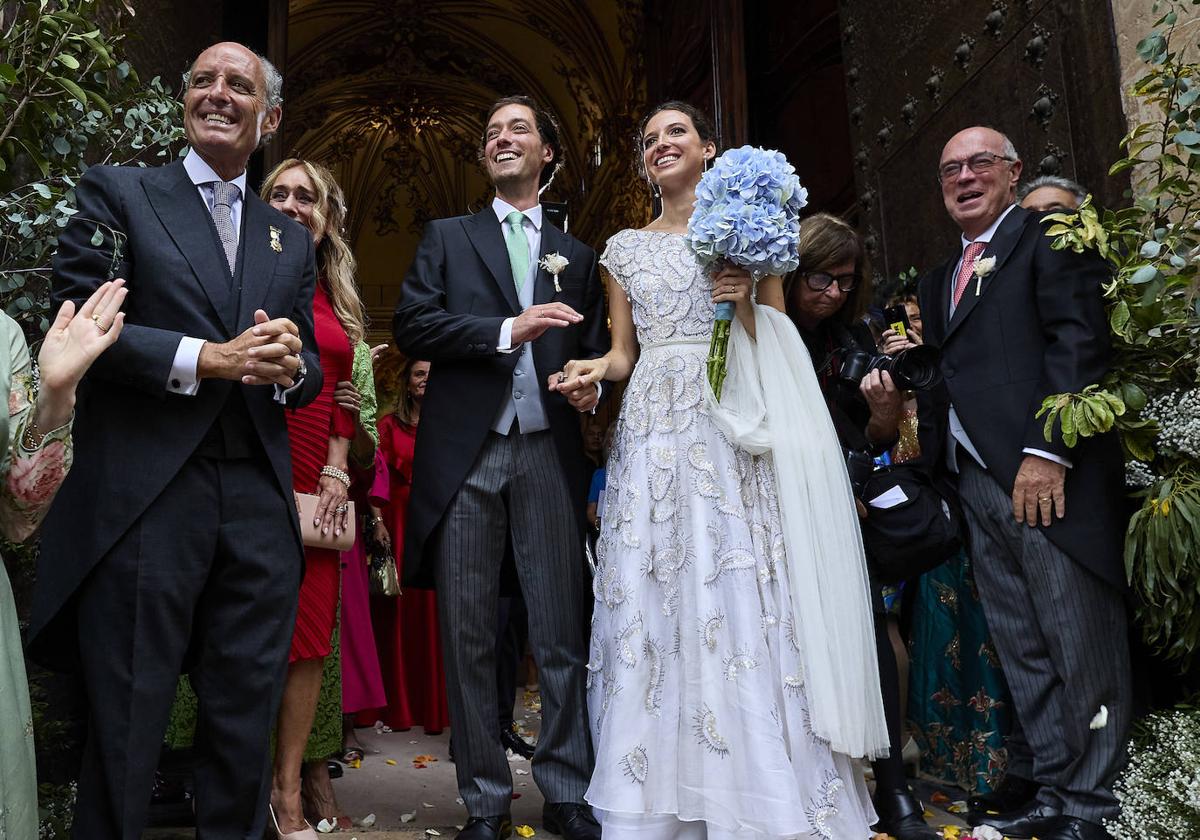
{"x": 747, "y": 212}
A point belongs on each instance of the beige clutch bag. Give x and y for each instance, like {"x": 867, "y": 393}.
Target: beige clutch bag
{"x": 306, "y": 504}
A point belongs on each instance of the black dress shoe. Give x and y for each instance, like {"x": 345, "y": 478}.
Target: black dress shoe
{"x": 571, "y": 820}
{"x": 1023, "y": 823}
{"x": 1073, "y": 828}
{"x": 510, "y": 740}
{"x": 901, "y": 816}
{"x": 487, "y": 828}
{"x": 1010, "y": 795}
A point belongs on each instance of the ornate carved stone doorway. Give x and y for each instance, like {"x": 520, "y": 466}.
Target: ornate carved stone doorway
{"x": 392, "y": 94}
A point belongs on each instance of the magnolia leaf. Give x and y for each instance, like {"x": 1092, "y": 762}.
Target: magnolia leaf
{"x": 68, "y": 60}
{"x": 73, "y": 89}
{"x": 8, "y": 73}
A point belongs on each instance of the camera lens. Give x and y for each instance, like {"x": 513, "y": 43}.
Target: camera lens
{"x": 916, "y": 369}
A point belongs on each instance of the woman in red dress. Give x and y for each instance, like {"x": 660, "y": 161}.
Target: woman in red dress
{"x": 321, "y": 436}
{"x": 406, "y": 628}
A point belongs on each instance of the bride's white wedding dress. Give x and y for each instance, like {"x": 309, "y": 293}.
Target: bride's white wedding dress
{"x": 697, "y": 695}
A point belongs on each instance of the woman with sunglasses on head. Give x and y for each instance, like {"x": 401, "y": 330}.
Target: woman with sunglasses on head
{"x": 826, "y": 298}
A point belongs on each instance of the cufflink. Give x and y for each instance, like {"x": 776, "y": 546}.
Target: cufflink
{"x": 174, "y": 383}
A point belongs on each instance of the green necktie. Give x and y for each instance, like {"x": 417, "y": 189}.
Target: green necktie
{"x": 518, "y": 247}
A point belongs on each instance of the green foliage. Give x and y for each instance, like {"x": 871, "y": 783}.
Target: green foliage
{"x": 67, "y": 100}
{"x": 1152, "y": 394}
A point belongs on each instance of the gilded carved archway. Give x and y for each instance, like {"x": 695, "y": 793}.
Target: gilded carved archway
{"x": 392, "y": 94}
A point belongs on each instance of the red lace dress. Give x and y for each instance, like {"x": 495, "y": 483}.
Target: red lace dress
{"x": 309, "y": 430}
{"x": 406, "y": 628}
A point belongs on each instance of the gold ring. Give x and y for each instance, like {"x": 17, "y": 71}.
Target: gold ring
{"x": 99, "y": 326}
{"x": 1044, "y": 498}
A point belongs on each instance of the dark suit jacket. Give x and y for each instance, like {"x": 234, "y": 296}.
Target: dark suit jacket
{"x": 131, "y": 434}
{"x": 455, "y": 297}
{"x": 1037, "y": 327}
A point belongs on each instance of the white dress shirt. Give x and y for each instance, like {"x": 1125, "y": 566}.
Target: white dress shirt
{"x": 184, "y": 378}
{"x": 533, "y": 232}
{"x": 957, "y": 431}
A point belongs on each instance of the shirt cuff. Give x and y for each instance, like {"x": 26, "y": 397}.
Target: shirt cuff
{"x": 183, "y": 378}
{"x": 504, "y": 345}
{"x": 1049, "y": 456}
{"x": 599, "y": 391}
{"x": 282, "y": 394}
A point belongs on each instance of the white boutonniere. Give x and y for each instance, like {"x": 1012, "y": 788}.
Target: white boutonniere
{"x": 554, "y": 265}
{"x": 983, "y": 267}
{"x": 276, "y": 243}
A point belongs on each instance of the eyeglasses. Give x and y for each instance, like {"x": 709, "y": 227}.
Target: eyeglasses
{"x": 979, "y": 164}
{"x": 819, "y": 281}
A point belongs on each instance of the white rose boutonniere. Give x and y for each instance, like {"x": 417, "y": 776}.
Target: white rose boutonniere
{"x": 554, "y": 265}
{"x": 983, "y": 267}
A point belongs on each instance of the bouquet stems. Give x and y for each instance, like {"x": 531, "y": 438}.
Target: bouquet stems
{"x": 718, "y": 348}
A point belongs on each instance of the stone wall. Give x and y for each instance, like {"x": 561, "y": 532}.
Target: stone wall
{"x": 1133, "y": 20}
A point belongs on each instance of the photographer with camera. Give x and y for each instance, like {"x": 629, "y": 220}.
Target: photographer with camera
{"x": 865, "y": 392}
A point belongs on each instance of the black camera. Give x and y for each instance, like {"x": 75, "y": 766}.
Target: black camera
{"x": 915, "y": 369}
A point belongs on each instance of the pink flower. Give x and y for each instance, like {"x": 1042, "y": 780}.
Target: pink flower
{"x": 33, "y": 479}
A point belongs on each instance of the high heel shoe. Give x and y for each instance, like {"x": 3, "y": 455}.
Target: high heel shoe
{"x": 306, "y": 833}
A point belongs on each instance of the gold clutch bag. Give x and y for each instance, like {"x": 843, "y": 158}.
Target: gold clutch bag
{"x": 306, "y": 505}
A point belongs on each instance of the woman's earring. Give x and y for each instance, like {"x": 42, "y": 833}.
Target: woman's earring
{"x": 655, "y": 190}
{"x": 707, "y": 164}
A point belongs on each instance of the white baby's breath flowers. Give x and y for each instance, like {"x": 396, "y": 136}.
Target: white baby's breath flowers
{"x": 1138, "y": 475}
{"x": 1178, "y": 417}
{"x": 1159, "y": 791}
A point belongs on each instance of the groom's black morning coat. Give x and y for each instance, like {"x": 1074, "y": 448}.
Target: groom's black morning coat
{"x": 455, "y": 297}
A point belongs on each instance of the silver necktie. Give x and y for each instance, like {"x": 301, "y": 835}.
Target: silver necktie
{"x": 224, "y": 194}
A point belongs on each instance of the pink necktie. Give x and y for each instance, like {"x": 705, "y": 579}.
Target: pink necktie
{"x": 970, "y": 255}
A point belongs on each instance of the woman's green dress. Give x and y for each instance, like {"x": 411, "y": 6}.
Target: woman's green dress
{"x": 30, "y": 479}
{"x": 958, "y": 701}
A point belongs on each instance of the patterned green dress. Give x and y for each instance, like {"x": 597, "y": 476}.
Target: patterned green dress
{"x": 30, "y": 479}
{"x": 958, "y": 701}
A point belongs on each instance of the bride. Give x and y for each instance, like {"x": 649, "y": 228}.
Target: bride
{"x": 732, "y": 676}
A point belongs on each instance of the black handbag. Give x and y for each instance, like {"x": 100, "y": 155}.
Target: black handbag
{"x": 912, "y": 536}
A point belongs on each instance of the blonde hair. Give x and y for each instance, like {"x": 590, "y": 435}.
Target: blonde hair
{"x": 335, "y": 260}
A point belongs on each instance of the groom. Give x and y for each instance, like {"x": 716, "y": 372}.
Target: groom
{"x": 498, "y": 456}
